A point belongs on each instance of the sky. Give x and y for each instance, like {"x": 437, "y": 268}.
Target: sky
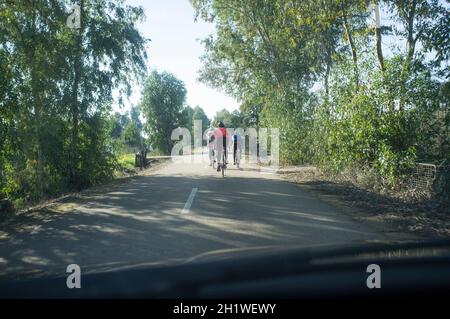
{"x": 175, "y": 47}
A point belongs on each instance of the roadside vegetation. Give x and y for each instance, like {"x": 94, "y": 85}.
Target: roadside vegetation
{"x": 359, "y": 100}
{"x": 350, "y": 96}
{"x": 58, "y": 89}
{"x": 127, "y": 161}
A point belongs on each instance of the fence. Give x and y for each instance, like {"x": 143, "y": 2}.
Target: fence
{"x": 425, "y": 175}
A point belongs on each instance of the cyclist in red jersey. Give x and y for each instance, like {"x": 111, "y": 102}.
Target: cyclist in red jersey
{"x": 222, "y": 138}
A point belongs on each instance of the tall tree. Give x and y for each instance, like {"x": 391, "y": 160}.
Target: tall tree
{"x": 107, "y": 53}
{"x": 199, "y": 114}
{"x": 222, "y": 116}
{"x": 59, "y": 82}
{"x": 162, "y": 103}
{"x": 421, "y": 21}
{"x": 30, "y": 31}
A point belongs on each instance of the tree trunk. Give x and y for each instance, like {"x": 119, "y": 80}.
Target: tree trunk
{"x": 327, "y": 79}
{"x": 37, "y": 107}
{"x": 379, "y": 49}
{"x": 37, "y": 132}
{"x": 410, "y": 55}
{"x": 352, "y": 45}
{"x": 378, "y": 37}
{"x": 75, "y": 109}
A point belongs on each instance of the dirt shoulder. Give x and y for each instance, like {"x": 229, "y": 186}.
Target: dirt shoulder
{"x": 67, "y": 201}
{"x": 389, "y": 215}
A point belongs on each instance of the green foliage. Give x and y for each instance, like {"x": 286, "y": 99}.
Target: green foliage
{"x": 119, "y": 122}
{"x": 234, "y": 119}
{"x": 126, "y": 131}
{"x": 56, "y": 89}
{"x": 360, "y": 129}
{"x": 126, "y": 161}
{"x": 196, "y": 114}
{"x": 316, "y": 71}
{"x": 199, "y": 114}
{"x": 222, "y": 116}
{"x": 132, "y": 135}
{"x": 162, "y": 105}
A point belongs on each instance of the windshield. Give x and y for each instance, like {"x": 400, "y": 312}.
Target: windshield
{"x": 152, "y": 134}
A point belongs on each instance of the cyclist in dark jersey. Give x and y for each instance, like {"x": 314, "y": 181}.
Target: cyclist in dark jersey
{"x": 237, "y": 145}
{"x": 211, "y": 146}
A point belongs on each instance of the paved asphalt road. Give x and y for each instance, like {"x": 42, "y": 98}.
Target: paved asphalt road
{"x": 146, "y": 219}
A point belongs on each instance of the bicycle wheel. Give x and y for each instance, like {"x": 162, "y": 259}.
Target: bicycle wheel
{"x": 238, "y": 158}
{"x": 223, "y": 164}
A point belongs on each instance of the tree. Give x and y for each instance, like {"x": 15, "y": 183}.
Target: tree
{"x": 268, "y": 55}
{"x": 135, "y": 116}
{"x": 199, "y": 114}
{"x": 304, "y": 67}
{"x": 56, "y": 92}
{"x": 236, "y": 119}
{"x": 132, "y": 135}
{"x": 423, "y": 21}
{"x": 187, "y": 118}
{"x": 107, "y": 37}
{"x": 27, "y": 29}
{"x": 250, "y": 114}
{"x": 119, "y": 122}
{"x": 162, "y": 103}
{"x": 222, "y": 116}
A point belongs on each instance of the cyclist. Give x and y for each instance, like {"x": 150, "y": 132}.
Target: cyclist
{"x": 210, "y": 140}
{"x": 221, "y": 137}
{"x": 237, "y": 145}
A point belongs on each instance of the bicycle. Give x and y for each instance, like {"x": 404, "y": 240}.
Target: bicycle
{"x": 213, "y": 154}
{"x": 222, "y": 165}
{"x": 238, "y": 157}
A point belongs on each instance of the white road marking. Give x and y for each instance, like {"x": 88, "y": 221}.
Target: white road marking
{"x": 189, "y": 201}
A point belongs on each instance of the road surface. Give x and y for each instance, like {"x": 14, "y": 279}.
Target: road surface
{"x": 177, "y": 212}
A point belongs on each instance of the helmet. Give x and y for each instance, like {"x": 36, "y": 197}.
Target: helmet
{"x": 221, "y": 124}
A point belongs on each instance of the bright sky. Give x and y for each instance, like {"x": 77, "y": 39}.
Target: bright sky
{"x": 175, "y": 48}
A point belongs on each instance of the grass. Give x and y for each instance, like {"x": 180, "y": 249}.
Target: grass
{"x": 126, "y": 161}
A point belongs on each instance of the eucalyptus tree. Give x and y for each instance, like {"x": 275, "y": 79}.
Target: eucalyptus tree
{"x": 107, "y": 53}
{"x": 29, "y": 32}
{"x": 163, "y": 98}
{"x": 424, "y": 22}
{"x": 269, "y": 54}
{"x": 56, "y": 90}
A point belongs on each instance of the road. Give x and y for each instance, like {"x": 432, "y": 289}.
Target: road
{"x": 177, "y": 212}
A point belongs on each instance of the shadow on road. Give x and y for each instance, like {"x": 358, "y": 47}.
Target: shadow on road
{"x": 141, "y": 221}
